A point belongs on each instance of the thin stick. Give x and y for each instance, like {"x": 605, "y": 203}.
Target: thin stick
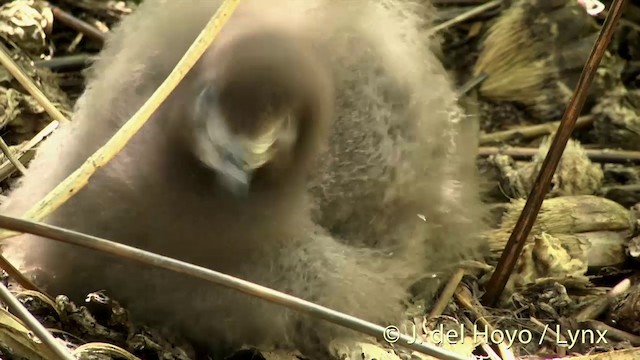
{"x": 7, "y": 152}
{"x": 447, "y": 294}
{"x": 77, "y": 24}
{"x": 465, "y": 16}
{"x": 471, "y": 84}
{"x": 601, "y": 155}
{"x": 34, "y": 325}
{"x": 466, "y": 300}
{"x": 16, "y": 71}
{"x": 6, "y": 169}
{"x": 611, "y": 332}
{"x": 79, "y": 178}
{"x": 533, "y": 131}
{"x": 62, "y": 63}
{"x": 262, "y": 292}
{"x": 551, "y": 336}
{"x": 22, "y": 280}
{"x": 541, "y": 186}
{"x": 601, "y": 304}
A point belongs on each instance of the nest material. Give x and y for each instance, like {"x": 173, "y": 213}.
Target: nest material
{"x": 99, "y": 330}
{"x": 28, "y": 23}
{"x": 591, "y": 229}
{"x": 532, "y": 52}
{"x": 621, "y": 184}
{"x": 626, "y": 311}
{"x": 545, "y": 258}
{"x": 576, "y": 174}
{"x": 617, "y": 119}
{"x": 21, "y": 115}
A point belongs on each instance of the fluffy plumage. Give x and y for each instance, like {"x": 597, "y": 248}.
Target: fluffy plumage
{"x": 396, "y": 149}
{"x": 401, "y": 159}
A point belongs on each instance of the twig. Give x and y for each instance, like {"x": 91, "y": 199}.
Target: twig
{"x": 612, "y": 332}
{"x": 605, "y": 190}
{"x": 6, "y": 169}
{"x": 463, "y": 295}
{"x": 471, "y": 84}
{"x": 15, "y": 70}
{"x": 533, "y": 131}
{"x": 447, "y": 294}
{"x": 80, "y": 177}
{"x": 66, "y": 62}
{"x": 601, "y": 156}
{"x": 22, "y": 280}
{"x": 262, "y": 292}
{"x": 601, "y": 304}
{"x": 32, "y": 323}
{"x": 77, "y": 24}
{"x": 7, "y": 152}
{"x": 551, "y": 336}
{"x": 541, "y": 185}
{"x": 462, "y": 17}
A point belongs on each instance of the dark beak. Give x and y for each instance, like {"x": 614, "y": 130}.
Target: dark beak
{"x": 234, "y": 174}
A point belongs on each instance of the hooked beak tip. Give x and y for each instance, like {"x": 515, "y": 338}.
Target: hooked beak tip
{"x": 237, "y": 188}
{"x": 235, "y": 179}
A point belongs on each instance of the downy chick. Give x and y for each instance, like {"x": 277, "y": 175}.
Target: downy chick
{"x": 218, "y": 177}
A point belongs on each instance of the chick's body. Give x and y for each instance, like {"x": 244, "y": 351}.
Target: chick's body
{"x": 393, "y": 153}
